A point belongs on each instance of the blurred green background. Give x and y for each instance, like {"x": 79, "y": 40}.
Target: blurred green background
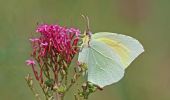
{"x": 147, "y": 78}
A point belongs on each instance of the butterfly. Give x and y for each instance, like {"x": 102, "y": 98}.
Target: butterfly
{"x": 107, "y": 55}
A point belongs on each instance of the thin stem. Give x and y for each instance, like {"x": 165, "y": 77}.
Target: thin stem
{"x": 30, "y": 85}
{"x": 59, "y": 96}
{"x": 75, "y": 97}
{"x": 43, "y": 91}
{"x": 72, "y": 83}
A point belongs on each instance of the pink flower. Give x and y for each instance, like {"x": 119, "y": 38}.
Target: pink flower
{"x": 30, "y": 62}
{"x": 44, "y": 44}
{"x": 58, "y": 39}
{"x": 34, "y": 39}
{"x": 54, "y": 48}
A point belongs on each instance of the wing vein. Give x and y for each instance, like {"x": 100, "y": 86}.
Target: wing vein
{"x": 101, "y": 54}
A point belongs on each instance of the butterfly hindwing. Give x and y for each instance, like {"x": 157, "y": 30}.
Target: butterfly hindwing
{"x": 103, "y": 66}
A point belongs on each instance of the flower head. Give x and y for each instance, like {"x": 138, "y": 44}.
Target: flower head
{"x": 55, "y": 40}
{"x": 30, "y": 62}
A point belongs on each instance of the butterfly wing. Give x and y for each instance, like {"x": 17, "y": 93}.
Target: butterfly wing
{"x": 126, "y": 47}
{"x": 103, "y": 66}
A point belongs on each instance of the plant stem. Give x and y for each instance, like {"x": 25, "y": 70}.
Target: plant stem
{"x": 59, "y": 96}
{"x": 75, "y": 97}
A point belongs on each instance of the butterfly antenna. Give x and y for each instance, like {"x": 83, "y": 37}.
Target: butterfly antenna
{"x": 88, "y": 25}
{"x": 87, "y": 31}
